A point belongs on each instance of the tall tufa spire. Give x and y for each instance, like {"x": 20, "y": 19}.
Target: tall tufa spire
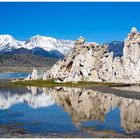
{"x": 134, "y": 30}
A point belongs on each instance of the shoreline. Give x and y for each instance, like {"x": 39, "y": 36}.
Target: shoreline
{"x": 52, "y": 83}
{"x": 112, "y": 88}
{"x": 15, "y": 131}
{"x": 7, "y": 131}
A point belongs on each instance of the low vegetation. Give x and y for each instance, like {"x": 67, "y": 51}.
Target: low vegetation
{"x": 51, "y": 83}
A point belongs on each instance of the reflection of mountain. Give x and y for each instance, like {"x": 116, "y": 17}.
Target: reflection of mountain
{"x": 29, "y": 96}
{"x": 81, "y": 104}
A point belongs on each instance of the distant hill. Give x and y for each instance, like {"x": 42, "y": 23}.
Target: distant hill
{"x": 36, "y": 51}
{"x": 116, "y": 47}
{"x": 26, "y": 60}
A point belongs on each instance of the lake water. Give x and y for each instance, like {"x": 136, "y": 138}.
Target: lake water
{"x": 67, "y": 112}
{"x": 13, "y": 75}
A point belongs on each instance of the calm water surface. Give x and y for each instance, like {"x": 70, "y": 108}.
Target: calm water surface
{"x": 68, "y": 110}
{"x": 13, "y": 75}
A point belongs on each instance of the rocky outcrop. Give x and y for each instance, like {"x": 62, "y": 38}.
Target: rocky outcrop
{"x": 34, "y": 76}
{"x": 81, "y": 40}
{"x": 93, "y": 62}
{"x": 79, "y": 65}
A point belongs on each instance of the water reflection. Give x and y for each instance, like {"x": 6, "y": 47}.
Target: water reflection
{"x": 34, "y": 97}
{"x": 81, "y": 104}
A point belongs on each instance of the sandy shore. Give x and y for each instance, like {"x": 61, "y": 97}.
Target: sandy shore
{"x": 119, "y": 91}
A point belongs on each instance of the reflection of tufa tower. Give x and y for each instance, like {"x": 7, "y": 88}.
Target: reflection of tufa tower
{"x": 81, "y": 104}
{"x": 85, "y": 105}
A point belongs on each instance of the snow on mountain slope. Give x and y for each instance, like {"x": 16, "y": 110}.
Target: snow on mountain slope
{"x": 46, "y": 46}
{"x": 49, "y": 44}
{"x": 7, "y": 43}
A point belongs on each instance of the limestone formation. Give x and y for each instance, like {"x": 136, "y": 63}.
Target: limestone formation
{"x": 81, "y": 40}
{"x": 133, "y": 30}
{"x": 33, "y": 76}
{"x": 93, "y": 62}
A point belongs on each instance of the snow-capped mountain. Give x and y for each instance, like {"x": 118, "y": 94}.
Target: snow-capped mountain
{"x": 7, "y": 43}
{"x": 46, "y": 46}
{"x": 39, "y": 45}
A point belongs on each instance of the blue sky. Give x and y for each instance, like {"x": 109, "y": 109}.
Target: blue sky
{"x": 100, "y": 22}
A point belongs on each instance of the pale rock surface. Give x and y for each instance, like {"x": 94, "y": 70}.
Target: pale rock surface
{"x": 33, "y": 76}
{"x": 81, "y": 40}
{"x": 134, "y": 30}
{"x": 93, "y": 62}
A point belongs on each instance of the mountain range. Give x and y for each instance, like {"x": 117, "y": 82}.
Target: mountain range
{"x": 116, "y": 47}
{"x": 37, "y": 45}
{"x": 34, "y": 51}
{"x": 26, "y": 60}
{"x": 46, "y": 46}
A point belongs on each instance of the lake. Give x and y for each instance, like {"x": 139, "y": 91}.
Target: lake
{"x": 68, "y": 112}
{"x": 13, "y": 75}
